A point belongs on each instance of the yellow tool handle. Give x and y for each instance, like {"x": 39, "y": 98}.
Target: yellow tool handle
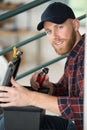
{"x": 14, "y": 52}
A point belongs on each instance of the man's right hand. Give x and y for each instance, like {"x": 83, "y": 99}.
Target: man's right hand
{"x": 46, "y": 83}
{"x": 36, "y": 81}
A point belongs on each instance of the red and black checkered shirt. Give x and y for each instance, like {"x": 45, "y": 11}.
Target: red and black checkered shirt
{"x": 69, "y": 89}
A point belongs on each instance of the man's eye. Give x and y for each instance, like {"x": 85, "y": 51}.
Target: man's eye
{"x": 60, "y": 27}
{"x": 48, "y": 32}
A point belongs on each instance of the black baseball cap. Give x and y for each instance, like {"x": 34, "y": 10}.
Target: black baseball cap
{"x": 56, "y": 12}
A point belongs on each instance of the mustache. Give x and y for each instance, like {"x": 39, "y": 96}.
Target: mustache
{"x": 59, "y": 40}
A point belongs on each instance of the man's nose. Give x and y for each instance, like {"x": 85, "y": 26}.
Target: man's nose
{"x": 55, "y": 34}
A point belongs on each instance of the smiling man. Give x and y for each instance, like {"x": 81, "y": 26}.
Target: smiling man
{"x": 66, "y": 96}
{"x": 65, "y": 42}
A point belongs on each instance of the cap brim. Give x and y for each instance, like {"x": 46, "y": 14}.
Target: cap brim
{"x": 40, "y": 26}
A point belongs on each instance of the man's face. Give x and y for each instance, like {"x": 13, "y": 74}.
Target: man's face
{"x": 61, "y": 36}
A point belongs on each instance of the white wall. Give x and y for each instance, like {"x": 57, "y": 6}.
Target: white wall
{"x": 18, "y": 1}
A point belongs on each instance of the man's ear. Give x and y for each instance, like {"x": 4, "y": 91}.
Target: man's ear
{"x": 76, "y": 24}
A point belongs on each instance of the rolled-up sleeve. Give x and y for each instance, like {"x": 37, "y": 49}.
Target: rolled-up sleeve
{"x": 71, "y": 108}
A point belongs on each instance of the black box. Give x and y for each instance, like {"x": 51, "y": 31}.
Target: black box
{"x": 23, "y": 118}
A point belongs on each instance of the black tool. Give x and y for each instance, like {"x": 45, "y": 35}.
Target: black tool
{"x": 41, "y": 75}
{"x": 12, "y": 69}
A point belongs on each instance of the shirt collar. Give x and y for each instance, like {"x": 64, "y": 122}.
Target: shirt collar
{"x": 75, "y": 50}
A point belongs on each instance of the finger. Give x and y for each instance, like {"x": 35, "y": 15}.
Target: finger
{"x": 46, "y": 77}
{"x": 4, "y": 88}
{"x": 35, "y": 86}
{"x": 33, "y": 82}
{"x": 36, "y": 77}
{"x": 4, "y": 94}
{"x": 4, "y": 100}
{"x": 9, "y": 104}
{"x": 14, "y": 83}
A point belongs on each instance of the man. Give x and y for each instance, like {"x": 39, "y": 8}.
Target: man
{"x": 66, "y": 97}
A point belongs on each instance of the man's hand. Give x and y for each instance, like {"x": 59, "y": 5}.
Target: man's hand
{"x": 16, "y": 95}
{"x": 37, "y": 81}
{"x": 46, "y": 83}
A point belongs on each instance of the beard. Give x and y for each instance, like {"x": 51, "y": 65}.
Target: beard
{"x": 68, "y": 45}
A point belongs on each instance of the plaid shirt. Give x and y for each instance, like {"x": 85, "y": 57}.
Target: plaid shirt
{"x": 69, "y": 89}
